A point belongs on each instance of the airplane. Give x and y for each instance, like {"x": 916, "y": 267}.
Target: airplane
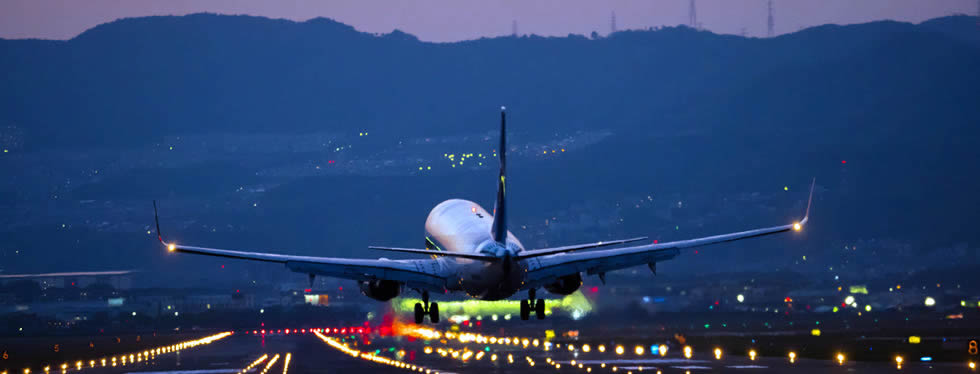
{"x": 474, "y": 252}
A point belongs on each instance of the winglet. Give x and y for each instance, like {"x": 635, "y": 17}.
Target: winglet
{"x": 806, "y": 215}
{"x": 156, "y": 218}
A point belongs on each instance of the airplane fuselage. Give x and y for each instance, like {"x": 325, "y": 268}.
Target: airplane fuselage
{"x": 463, "y": 226}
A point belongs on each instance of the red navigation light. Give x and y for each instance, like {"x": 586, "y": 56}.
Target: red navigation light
{"x": 479, "y": 323}
{"x": 595, "y": 289}
{"x": 222, "y": 266}
{"x": 330, "y": 161}
{"x": 466, "y": 323}
{"x": 304, "y": 331}
{"x": 341, "y": 288}
{"x": 843, "y": 161}
{"x": 263, "y": 332}
{"x": 789, "y": 299}
{"x": 655, "y": 241}
{"x": 308, "y": 290}
{"x": 716, "y": 302}
{"x": 287, "y": 331}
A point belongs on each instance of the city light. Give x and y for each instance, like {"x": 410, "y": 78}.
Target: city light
{"x": 792, "y": 357}
{"x": 840, "y": 358}
{"x": 688, "y": 352}
{"x": 638, "y": 350}
{"x": 930, "y": 301}
{"x": 620, "y": 350}
{"x": 752, "y": 354}
{"x": 717, "y": 353}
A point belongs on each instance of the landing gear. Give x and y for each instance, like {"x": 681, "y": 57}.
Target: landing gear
{"x": 423, "y": 308}
{"x": 532, "y": 303}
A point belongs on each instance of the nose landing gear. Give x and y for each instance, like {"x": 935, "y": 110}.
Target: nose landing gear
{"x": 424, "y": 308}
{"x": 532, "y": 303}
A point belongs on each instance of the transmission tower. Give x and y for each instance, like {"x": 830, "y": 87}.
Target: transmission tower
{"x": 692, "y": 16}
{"x": 612, "y": 23}
{"x": 771, "y": 24}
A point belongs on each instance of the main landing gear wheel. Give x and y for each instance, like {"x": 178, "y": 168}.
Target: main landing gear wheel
{"x": 434, "y": 312}
{"x": 532, "y": 304}
{"x": 425, "y": 308}
{"x": 419, "y": 313}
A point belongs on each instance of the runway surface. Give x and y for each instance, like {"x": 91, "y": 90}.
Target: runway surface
{"x": 411, "y": 348}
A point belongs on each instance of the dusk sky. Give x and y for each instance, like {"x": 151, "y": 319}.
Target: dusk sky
{"x": 451, "y": 20}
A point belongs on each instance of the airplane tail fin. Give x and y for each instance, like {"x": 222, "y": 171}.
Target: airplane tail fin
{"x": 500, "y": 208}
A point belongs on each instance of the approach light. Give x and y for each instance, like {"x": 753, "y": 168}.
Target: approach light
{"x": 797, "y": 227}
{"x": 171, "y": 247}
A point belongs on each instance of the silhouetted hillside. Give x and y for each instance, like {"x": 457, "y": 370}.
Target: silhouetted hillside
{"x": 135, "y": 80}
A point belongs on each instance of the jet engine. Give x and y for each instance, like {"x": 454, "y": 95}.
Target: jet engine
{"x": 381, "y": 290}
{"x": 565, "y": 285}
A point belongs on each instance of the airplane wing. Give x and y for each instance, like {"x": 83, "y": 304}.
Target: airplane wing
{"x": 424, "y": 274}
{"x": 547, "y": 269}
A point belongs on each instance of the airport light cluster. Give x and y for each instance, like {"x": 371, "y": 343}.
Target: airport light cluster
{"x": 253, "y": 364}
{"x": 136, "y": 357}
{"x": 332, "y": 342}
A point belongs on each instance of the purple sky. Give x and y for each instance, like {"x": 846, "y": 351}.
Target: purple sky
{"x": 450, "y": 20}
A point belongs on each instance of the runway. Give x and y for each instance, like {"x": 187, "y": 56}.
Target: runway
{"x": 411, "y": 348}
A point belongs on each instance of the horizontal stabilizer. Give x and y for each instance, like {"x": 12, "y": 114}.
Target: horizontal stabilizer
{"x": 569, "y": 248}
{"x": 437, "y": 253}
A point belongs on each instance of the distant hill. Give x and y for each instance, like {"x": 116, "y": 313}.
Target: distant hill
{"x": 136, "y": 79}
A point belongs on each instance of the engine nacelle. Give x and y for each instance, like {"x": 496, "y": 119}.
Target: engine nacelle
{"x": 565, "y": 285}
{"x": 381, "y": 290}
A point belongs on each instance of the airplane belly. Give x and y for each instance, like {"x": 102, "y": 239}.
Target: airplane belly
{"x": 492, "y": 280}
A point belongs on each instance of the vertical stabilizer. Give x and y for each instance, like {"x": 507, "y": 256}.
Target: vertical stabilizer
{"x": 500, "y": 209}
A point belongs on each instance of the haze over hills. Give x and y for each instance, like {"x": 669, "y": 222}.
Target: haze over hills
{"x": 237, "y": 121}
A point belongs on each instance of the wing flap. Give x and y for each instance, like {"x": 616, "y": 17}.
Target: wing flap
{"x": 569, "y": 248}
